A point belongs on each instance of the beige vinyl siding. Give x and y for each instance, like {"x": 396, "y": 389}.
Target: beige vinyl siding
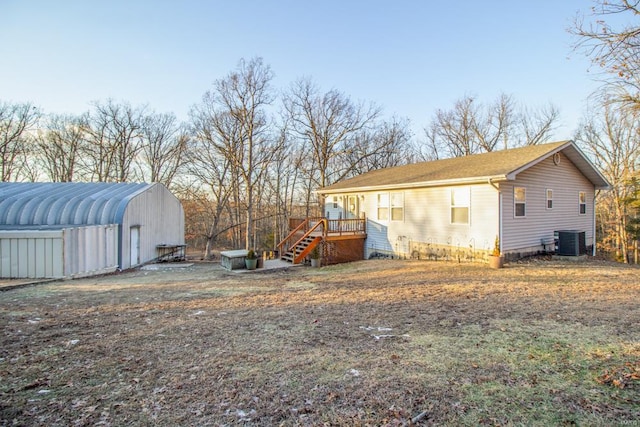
{"x": 427, "y": 219}
{"x": 336, "y": 212}
{"x": 525, "y": 233}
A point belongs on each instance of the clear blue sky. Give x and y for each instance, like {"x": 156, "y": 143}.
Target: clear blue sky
{"x": 409, "y": 57}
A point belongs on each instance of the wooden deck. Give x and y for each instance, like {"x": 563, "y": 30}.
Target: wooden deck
{"x": 340, "y": 240}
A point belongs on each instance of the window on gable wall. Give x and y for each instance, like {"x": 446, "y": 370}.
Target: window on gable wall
{"x": 549, "y": 199}
{"x": 519, "y": 201}
{"x": 582, "y": 197}
{"x": 460, "y": 203}
{"x": 383, "y": 206}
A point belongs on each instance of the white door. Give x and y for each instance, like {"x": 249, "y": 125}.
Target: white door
{"x": 134, "y": 242}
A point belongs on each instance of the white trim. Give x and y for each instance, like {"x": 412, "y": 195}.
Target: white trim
{"x": 416, "y": 185}
{"x": 515, "y": 202}
{"x": 379, "y": 206}
{"x": 468, "y": 205}
{"x": 580, "y": 203}
{"x": 391, "y": 206}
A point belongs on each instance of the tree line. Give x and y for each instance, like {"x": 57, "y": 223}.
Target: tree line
{"x": 250, "y": 155}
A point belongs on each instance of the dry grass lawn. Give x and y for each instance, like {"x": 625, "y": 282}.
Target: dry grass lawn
{"x": 368, "y": 343}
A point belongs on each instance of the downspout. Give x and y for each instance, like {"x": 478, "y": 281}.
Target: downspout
{"x": 593, "y": 221}
{"x": 499, "y": 211}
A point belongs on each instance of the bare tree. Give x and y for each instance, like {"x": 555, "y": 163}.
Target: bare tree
{"x": 386, "y": 145}
{"x": 496, "y": 124}
{"x": 114, "y": 141}
{"x": 283, "y": 178}
{"x": 537, "y": 125}
{"x": 59, "y": 145}
{"x": 616, "y": 50}
{"x": 471, "y": 127}
{"x": 326, "y": 124}
{"x": 611, "y": 138}
{"x": 164, "y": 148}
{"x": 16, "y": 123}
{"x": 233, "y": 119}
{"x": 213, "y": 193}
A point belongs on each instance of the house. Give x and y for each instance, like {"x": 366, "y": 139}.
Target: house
{"x": 528, "y": 198}
{"x": 54, "y": 230}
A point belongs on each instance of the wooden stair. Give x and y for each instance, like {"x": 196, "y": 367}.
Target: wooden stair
{"x": 305, "y": 245}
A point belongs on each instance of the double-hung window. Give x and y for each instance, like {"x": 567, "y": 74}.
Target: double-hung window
{"x": 549, "y": 199}
{"x": 460, "y": 203}
{"x": 582, "y": 201}
{"x": 383, "y": 206}
{"x": 397, "y": 206}
{"x": 519, "y": 201}
{"x": 391, "y": 202}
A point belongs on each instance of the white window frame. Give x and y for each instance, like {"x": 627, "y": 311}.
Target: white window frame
{"x": 335, "y": 202}
{"x": 382, "y": 201}
{"x": 549, "y": 193}
{"x": 458, "y": 203}
{"x": 396, "y": 206}
{"x": 582, "y": 202}
{"x": 517, "y": 202}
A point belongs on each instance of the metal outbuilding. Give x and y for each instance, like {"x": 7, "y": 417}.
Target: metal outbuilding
{"x": 82, "y": 229}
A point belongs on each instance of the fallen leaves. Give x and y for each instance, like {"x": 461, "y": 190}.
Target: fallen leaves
{"x": 440, "y": 344}
{"x": 625, "y": 376}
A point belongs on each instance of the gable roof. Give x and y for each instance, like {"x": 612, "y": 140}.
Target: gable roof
{"x": 495, "y": 166}
{"x": 64, "y": 203}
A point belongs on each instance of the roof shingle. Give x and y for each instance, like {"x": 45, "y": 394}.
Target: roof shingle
{"x": 496, "y": 165}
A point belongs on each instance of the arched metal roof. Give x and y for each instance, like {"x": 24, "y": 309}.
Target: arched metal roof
{"x": 65, "y": 203}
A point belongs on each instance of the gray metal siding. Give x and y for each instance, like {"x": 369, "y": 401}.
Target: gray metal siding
{"x": 31, "y": 254}
{"x": 74, "y": 206}
{"x": 159, "y": 215}
{"x": 68, "y": 203}
{"x": 90, "y": 250}
{"x": 566, "y": 181}
{"x": 68, "y": 252}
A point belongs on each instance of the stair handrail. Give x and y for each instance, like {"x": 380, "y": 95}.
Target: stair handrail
{"x": 290, "y": 235}
{"x": 315, "y": 242}
{"x": 312, "y": 229}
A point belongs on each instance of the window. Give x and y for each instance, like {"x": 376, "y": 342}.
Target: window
{"x": 383, "y": 206}
{"x": 582, "y": 196}
{"x": 460, "y": 201}
{"x": 519, "y": 201}
{"x": 335, "y": 202}
{"x": 397, "y": 206}
{"x": 549, "y": 199}
{"x": 393, "y": 202}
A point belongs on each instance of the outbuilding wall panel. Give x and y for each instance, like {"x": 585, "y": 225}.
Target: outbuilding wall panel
{"x": 90, "y": 250}
{"x": 160, "y": 217}
{"x": 31, "y": 254}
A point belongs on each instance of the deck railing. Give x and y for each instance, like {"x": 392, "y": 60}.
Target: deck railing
{"x": 347, "y": 226}
{"x": 320, "y": 229}
{"x": 331, "y": 227}
{"x": 334, "y": 226}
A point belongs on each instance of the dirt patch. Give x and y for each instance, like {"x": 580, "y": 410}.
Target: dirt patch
{"x": 367, "y": 343}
